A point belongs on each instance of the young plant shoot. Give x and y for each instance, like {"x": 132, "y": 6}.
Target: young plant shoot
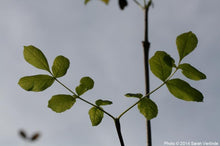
{"x": 162, "y": 65}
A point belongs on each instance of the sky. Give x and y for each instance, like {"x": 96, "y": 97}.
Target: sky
{"x": 104, "y": 43}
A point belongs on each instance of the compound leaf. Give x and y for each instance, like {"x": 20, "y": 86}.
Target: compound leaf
{"x": 136, "y": 95}
{"x": 191, "y": 72}
{"x": 161, "y": 65}
{"x": 96, "y": 116}
{"x": 101, "y": 102}
{"x": 36, "y": 83}
{"x": 86, "y": 83}
{"x": 183, "y": 90}
{"x": 148, "y": 108}
{"x": 35, "y": 57}
{"x": 186, "y": 43}
{"x": 60, "y": 103}
{"x": 60, "y": 66}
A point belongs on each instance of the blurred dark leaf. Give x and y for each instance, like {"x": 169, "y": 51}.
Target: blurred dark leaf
{"x": 35, "y": 136}
{"x": 22, "y": 134}
{"x": 123, "y": 4}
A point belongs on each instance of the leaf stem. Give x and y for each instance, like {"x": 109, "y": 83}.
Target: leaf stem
{"x": 116, "y": 120}
{"x": 118, "y": 128}
{"x": 147, "y": 95}
{"x": 76, "y": 96}
{"x": 139, "y": 4}
{"x": 65, "y": 86}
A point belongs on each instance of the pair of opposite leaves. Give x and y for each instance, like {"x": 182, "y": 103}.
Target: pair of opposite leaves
{"x": 161, "y": 65}
{"x": 32, "y": 138}
{"x": 62, "y": 102}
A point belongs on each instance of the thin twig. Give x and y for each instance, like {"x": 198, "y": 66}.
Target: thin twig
{"x": 139, "y": 4}
{"x": 76, "y": 96}
{"x": 147, "y": 95}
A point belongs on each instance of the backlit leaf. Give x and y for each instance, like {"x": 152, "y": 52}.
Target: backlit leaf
{"x": 35, "y": 57}
{"x": 183, "y": 90}
{"x": 86, "y": 1}
{"x": 148, "y": 108}
{"x": 186, "y": 43}
{"x": 136, "y": 95}
{"x": 169, "y": 60}
{"x": 86, "y": 83}
{"x": 101, "y": 102}
{"x": 105, "y": 1}
{"x": 96, "y": 116}
{"x": 191, "y": 72}
{"x": 161, "y": 65}
{"x": 36, "y": 83}
{"x": 60, "y": 103}
{"x": 60, "y": 66}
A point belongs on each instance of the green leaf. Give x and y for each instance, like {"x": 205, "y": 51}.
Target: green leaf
{"x": 86, "y": 83}
{"x": 60, "y": 66}
{"x": 169, "y": 60}
{"x": 148, "y": 108}
{"x": 36, "y": 83}
{"x": 101, "y": 102}
{"x": 191, "y": 72}
{"x": 96, "y": 116}
{"x": 86, "y": 1}
{"x": 183, "y": 90}
{"x": 186, "y": 43}
{"x": 60, "y": 103}
{"x": 137, "y": 95}
{"x": 105, "y": 1}
{"x": 161, "y": 65}
{"x": 35, "y": 57}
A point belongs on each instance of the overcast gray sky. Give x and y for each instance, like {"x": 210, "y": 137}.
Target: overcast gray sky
{"x": 105, "y": 43}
